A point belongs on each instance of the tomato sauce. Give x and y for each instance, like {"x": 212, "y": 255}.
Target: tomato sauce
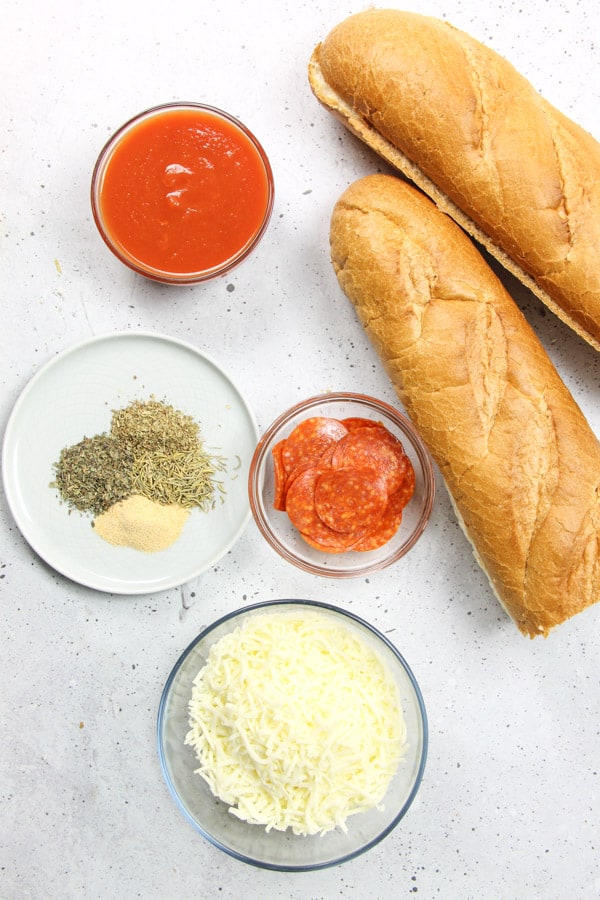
{"x": 184, "y": 191}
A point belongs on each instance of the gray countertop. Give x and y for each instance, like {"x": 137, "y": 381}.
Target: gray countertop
{"x": 510, "y": 802}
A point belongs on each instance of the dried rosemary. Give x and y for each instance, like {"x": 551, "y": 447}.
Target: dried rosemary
{"x": 185, "y": 477}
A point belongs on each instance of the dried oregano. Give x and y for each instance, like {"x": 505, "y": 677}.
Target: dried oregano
{"x": 152, "y": 425}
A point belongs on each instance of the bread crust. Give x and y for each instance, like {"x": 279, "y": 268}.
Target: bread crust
{"x": 471, "y": 132}
{"x": 518, "y": 457}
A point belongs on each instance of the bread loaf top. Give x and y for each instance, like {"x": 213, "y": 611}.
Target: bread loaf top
{"x": 470, "y": 131}
{"x": 521, "y": 463}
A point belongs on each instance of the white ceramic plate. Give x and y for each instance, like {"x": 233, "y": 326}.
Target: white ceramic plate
{"x": 73, "y": 396}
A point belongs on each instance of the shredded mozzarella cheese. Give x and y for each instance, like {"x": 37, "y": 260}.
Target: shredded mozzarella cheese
{"x": 296, "y": 722}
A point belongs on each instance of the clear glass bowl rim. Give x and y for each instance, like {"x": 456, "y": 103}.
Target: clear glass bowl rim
{"x": 353, "y": 617}
{"x": 373, "y": 403}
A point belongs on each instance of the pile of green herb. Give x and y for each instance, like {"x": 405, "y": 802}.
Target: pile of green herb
{"x": 154, "y": 426}
{"x": 152, "y": 449}
{"x": 95, "y": 473}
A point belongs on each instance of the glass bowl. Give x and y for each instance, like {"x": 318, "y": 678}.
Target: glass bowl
{"x": 283, "y": 536}
{"x": 182, "y": 193}
{"x": 251, "y": 843}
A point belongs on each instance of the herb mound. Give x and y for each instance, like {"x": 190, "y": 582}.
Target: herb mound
{"x": 152, "y": 450}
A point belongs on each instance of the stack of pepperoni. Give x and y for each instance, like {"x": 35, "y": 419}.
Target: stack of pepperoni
{"x": 343, "y": 482}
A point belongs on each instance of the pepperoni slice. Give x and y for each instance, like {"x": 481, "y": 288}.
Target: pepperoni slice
{"x": 282, "y": 480}
{"x": 404, "y": 493}
{"x": 348, "y": 499}
{"x": 279, "y": 476}
{"x": 391, "y": 520}
{"x": 358, "y": 422}
{"x": 376, "y": 448}
{"x": 328, "y": 541}
{"x": 309, "y": 440}
{"x": 385, "y": 530}
{"x": 300, "y": 499}
{"x": 325, "y": 461}
{"x": 300, "y": 505}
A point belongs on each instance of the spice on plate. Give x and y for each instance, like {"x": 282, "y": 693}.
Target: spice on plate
{"x": 185, "y": 477}
{"x": 95, "y": 473}
{"x": 141, "y": 524}
{"x": 153, "y": 453}
{"x": 152, "y": 425}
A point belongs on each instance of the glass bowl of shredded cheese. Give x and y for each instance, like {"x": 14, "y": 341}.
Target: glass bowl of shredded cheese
{"x": 341, "y": 485}
{"x": 292, "y": 735}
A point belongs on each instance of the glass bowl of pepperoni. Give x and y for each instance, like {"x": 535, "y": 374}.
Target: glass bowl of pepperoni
{"x": 341, "y": 485}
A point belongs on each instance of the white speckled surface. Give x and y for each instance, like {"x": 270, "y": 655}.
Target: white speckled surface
{"x": 510, "y": 803}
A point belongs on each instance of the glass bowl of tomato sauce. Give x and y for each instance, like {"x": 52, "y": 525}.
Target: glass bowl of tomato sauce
{"x": 182, "y": 193}
{"x": 341, "y": 485}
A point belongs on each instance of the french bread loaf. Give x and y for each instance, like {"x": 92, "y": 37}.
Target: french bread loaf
{"x": 517, "y": 455}
{"x": 461, "y": 123}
